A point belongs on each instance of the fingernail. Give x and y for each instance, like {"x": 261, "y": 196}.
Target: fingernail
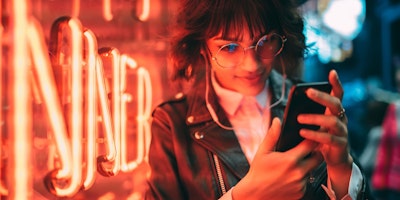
{"x": 312, "y": 92}
{"x": 300, "y": 118}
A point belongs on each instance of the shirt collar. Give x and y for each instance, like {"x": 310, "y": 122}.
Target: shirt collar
{"x": 231, "y": 100}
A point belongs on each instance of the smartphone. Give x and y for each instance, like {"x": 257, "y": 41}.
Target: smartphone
{"x": 299, "y": 103}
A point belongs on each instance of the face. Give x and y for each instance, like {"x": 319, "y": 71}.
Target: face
{"x": 247, "y": 76}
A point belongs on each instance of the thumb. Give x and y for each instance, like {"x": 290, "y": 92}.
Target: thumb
{"x": 269, "y": 142}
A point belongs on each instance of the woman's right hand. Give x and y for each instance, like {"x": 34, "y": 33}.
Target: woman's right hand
{"x": 278, "y": 175}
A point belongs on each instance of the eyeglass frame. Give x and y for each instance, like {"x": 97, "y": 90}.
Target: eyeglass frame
{"x": 283, "y": 39}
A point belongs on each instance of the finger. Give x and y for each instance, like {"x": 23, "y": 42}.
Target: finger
{"x": 271, "y": 137}
{"x": 333, "y": 103}
{"x": 304, "y": 189}
{"x": 313, "y": 161}
{"x": 337, "y": 89}
{"x": 330, "y": 123}
{"x": 301, "y": 188}
{"x": 323, "y": 137}
{"x": 342, "y": 115}
{"x": 303, "y": 149}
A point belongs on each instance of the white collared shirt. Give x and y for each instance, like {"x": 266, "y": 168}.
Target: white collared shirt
{"x": 248, "y": 115}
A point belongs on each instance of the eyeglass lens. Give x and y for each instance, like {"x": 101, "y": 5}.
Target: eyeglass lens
{"x": 232, "y": 54}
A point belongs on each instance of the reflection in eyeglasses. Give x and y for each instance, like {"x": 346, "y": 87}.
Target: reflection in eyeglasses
{"x": 232, "y": 54}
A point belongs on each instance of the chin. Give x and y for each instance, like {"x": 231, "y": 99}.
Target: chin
{"x": 251, "y": 90}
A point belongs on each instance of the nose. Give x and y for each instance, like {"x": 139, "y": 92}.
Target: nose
{"x": 250, "y": 61}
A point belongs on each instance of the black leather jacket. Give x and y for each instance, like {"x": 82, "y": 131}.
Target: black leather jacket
{"x": 191, "y": 157}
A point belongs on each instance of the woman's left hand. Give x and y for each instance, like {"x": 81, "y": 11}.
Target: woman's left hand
{"x": 333, "y": 134}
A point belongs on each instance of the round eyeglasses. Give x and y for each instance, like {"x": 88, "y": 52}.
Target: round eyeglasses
{"x": 232, "y": 54}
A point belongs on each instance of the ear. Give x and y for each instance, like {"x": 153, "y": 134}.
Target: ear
{"x": 202, "y": 52}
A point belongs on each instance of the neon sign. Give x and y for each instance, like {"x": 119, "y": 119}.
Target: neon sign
{"x": 18, "y": 122}
{"x": 73, "y": 86}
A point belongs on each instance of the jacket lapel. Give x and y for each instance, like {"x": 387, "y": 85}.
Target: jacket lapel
{"x": 218, "y": 140}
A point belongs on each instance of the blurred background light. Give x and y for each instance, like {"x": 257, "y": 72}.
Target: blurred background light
{"x": 330, "y": 27}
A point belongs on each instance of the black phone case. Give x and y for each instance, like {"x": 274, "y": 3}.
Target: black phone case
{"x": 298, "y": 102}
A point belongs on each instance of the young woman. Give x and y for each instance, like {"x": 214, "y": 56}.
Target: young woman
{"x": 218, "y": 139}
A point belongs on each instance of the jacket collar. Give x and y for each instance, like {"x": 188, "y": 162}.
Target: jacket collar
{"x": 220, "y": 141}
{"x": 200, "y": 114}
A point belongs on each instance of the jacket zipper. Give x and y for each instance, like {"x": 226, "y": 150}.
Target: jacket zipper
{"x": 219, "y": 174}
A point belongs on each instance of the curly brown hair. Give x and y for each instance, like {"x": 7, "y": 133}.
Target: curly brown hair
{"x": 199, "y": 20}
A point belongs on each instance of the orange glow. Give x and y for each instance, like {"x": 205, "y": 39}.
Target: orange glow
{"x": 144, "y": 107}
{"x": 71, "y": 157}
{"x": 79, "y": 97}
{"x": 116, "y": 105}
{"x": 145, "y": 11}
{"x": 3, "y": 190}
{"x": 123, "y": 101}
{"x": 91, "y": 108}
{"x": 76, "y": 110}
{"x": 111, "y": 123}
{"x": 107, "y": 14}
{"x": 76, "y": 6}
{"x": 144, "y": 97}
{"x": 48, "y": 92}
{"x": 20, "y": 180}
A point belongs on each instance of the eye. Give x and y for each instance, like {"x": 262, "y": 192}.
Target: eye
{"x": 269, "y": 45}
{"x": 230, "y": 48}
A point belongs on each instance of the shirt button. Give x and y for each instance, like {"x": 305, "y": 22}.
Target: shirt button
{"x": 190, "y": 119}
{"x": 198, "y": 135}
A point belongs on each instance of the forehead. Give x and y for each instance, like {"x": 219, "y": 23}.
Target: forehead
{"x": 234, "y": 35}
{"x": 239, "y": 30}
{"x": 243, "y": 19}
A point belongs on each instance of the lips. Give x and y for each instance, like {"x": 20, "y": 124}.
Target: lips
{"x": 252, "y": 76}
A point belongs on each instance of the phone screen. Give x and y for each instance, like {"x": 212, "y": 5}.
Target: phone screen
{"x": 298, "y": 103}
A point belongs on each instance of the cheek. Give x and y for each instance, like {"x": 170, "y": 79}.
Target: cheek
{"x": 224, "y": 77}
{"x": 267, "y": 63}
